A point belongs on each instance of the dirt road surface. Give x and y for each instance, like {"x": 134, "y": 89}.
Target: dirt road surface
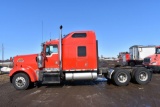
{"x": 82, "y": 94}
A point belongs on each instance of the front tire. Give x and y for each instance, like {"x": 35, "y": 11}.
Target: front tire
{"x": 142, "y": 76}
{"x": 121, "y": 77}
{"x": 21, "y": 81}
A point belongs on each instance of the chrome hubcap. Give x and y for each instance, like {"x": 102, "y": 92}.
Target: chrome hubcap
{"x": 122, "y": 77}
{"x": 143, "y": 76}
{"x": 20, "y": 82}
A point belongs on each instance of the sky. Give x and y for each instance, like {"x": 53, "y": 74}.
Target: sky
{"x": 118, "y": 24}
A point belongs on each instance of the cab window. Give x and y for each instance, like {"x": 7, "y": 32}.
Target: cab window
{"x": 51, "y": 49}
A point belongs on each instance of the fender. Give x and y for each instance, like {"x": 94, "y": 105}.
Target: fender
{"x": 110, "y": 72}
{"x": 28, "y": 70}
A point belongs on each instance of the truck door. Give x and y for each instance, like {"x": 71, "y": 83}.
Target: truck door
{"x": 52, "y": 59}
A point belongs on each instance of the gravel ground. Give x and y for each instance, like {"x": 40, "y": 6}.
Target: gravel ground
{"x": 4, "y": 78}
{"x": 82, "y": 94}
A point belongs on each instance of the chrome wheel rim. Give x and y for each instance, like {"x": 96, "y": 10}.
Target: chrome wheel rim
{"x": 122, "y": 77}
{"x": 143, "y": 76}
{"x": 20, "y": 82}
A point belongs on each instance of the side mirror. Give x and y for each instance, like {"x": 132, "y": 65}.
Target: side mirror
{"x": 42, "y": 54}
{"x": 40, "y": 59}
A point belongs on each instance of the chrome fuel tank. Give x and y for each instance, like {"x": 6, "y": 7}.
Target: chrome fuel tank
{"x": 81, "y": 76}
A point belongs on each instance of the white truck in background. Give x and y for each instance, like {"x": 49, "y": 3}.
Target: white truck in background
{"x": 138, "y": 53}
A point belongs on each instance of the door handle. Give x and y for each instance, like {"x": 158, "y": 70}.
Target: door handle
{"x": 86, "y": 64}
{"x": 56, "y": 62}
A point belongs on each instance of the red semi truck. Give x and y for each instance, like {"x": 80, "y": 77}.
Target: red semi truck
{"x": 153, "y": 61}
{"x": 124, "y": 57}
{"x": 74, "y": 57}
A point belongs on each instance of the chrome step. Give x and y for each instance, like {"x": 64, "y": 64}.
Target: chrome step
{"x": 50, "y": 78}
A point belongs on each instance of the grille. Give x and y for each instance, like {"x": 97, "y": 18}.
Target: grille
{"x": 146, "y": 60}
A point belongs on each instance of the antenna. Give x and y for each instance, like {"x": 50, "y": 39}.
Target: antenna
{"x": 42, "y": 31}
{"x": 2, "y": 54}
{"x": 50, "y": 35}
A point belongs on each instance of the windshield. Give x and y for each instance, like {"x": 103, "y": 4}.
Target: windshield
{"x": 51, "y": 49}
{"x": 157, "y": 50}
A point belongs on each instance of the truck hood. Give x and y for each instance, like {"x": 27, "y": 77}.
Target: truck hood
{"x": 149, "y": 60}
{"x": 26, "y": 60}
{"x": 151, "y": 56}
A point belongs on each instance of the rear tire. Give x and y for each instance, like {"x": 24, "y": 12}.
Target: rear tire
{"x": 21, "y": 81}
{"x": 121, "y": 77}
{"x": 142, "y": 76}
{"x": 133, "y": 74}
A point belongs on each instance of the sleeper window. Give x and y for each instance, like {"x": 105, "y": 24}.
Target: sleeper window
{"x": 81, "y": 51}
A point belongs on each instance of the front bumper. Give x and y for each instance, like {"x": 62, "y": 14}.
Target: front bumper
{"x": 154, "y": 67}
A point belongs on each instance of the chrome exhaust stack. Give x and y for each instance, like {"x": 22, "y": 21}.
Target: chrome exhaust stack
{"x": 60, "y": 53}
{"x": 60, "y": 49}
